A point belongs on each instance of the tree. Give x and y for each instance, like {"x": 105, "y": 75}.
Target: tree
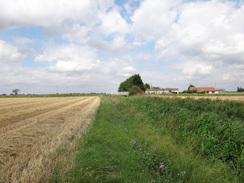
{"x": 134, "y": 80}
{"x": 190, "y": 91}
{"x": 135, "y": 90}
{"x": 240, "y": 89}
{"x": 190, "y": 86}
{"x": 147, "y": 86}
{"x": 156, "y": 87}
{"x": 16, "y": 91}
{"x": 202, "y": 92}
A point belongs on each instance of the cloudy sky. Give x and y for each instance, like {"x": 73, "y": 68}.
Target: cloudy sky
{"x": 93, "y": 45}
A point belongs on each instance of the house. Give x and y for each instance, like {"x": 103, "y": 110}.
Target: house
{"x": 207, "y": 89}
{"x": 162, "y": 91}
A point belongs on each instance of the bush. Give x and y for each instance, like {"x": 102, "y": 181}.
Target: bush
{"x": 190, "y": 91}
{"x": 135, "y": 90}
{"x": 201, "y": 92}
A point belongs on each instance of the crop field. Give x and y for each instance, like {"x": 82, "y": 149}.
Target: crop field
{"x": 35, "y": 131}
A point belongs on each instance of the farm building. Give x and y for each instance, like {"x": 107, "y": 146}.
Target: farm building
{"x": 207, "y": 89}
{"x": 162, "y": 91}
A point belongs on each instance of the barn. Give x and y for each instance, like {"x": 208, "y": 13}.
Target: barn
{"x": 207, "y": 89}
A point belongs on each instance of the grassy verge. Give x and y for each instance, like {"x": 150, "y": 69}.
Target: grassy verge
{"x": 130, "y": 142}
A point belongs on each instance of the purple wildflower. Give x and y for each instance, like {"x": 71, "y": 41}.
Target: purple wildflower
{"x": 183, "y": 173}
{"x": 161, "y": 165}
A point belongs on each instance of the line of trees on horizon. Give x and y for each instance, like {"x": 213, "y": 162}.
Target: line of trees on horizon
{"x": 240, "y": 89}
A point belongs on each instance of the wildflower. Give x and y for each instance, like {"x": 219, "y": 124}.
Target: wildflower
{"x": 133, "y": 142}
{"x": 161, "y": 165}
{"x": 183, "y": 173}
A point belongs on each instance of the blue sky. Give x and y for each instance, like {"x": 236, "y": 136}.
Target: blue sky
{"x": 93, "y": 45}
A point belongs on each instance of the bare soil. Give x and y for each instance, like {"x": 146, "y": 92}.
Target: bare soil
{"x": 35, "y": 133}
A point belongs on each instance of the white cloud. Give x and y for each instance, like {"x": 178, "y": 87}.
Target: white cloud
{"x": 76, "y": 59}
{"x": 64, "y": 52}
{"x": 112, "y": 22}
{"x": 45, "y": 12}
{"x": 9, "y": 53}
{"x": 76, "y": 63}
{"x": 207, "y": 39}
{"x": 193, "y": 68}
{"x": 154, "y": 18}
{"x": 72, "y": 66}
{"x": 214, "y": 33}
{"x": 23, "y": 45}
{"x": 117, "y": 45}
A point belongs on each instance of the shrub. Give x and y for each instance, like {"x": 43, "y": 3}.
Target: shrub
{"x": 202, "y": 92}
{"x": 134, "y": 90}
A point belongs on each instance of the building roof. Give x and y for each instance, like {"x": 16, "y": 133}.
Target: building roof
{"x": 203, "y": 88}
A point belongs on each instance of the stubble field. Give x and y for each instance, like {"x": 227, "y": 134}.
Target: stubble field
{"x": 37, "y": 133}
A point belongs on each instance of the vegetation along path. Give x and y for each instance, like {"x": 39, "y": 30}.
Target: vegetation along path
{"x": 147, "y": 139}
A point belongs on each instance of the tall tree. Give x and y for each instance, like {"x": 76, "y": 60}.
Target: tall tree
{"x": 16, "y": 91}
{"x": 134, "y": 80}
{"x": 191, "y": 85}
{"x": 147, "y": 86}
{"x": 240, "y": 89}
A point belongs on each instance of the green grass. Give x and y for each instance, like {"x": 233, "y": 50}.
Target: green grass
{"x": 214, "y": 95}
{"x": 144, "y": 139}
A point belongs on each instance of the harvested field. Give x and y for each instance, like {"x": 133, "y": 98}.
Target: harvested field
{"x": 238, "y": 98}
{"x": 37, "y": 133}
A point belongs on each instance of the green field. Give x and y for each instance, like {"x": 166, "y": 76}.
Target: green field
{"x": 146, "y": 139}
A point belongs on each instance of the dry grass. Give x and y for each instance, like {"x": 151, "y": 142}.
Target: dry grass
{"x": 40, "y": 133}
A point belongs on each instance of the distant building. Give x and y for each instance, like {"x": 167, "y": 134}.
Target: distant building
{"x": 207, "y": 89}
{"x": 118, "y": 93}
{"x": 162, "y": 91}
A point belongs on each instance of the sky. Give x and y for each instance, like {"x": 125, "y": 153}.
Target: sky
{"x": 83, "y": 46}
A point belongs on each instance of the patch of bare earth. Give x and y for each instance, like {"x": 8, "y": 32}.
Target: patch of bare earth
{"x": 38, "y": 133}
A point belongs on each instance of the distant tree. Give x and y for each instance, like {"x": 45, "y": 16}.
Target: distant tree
{"x": 16, "y": 91}
{"x": 240, "y": 89}
{"x": 147, "y": 86}
{"x": 135, "y": 90}
{"x": 134, "y": 80}
{"x": 190, "y": 91}
{"x": 202, "y": 92}
{"x": 190, "y": 86}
